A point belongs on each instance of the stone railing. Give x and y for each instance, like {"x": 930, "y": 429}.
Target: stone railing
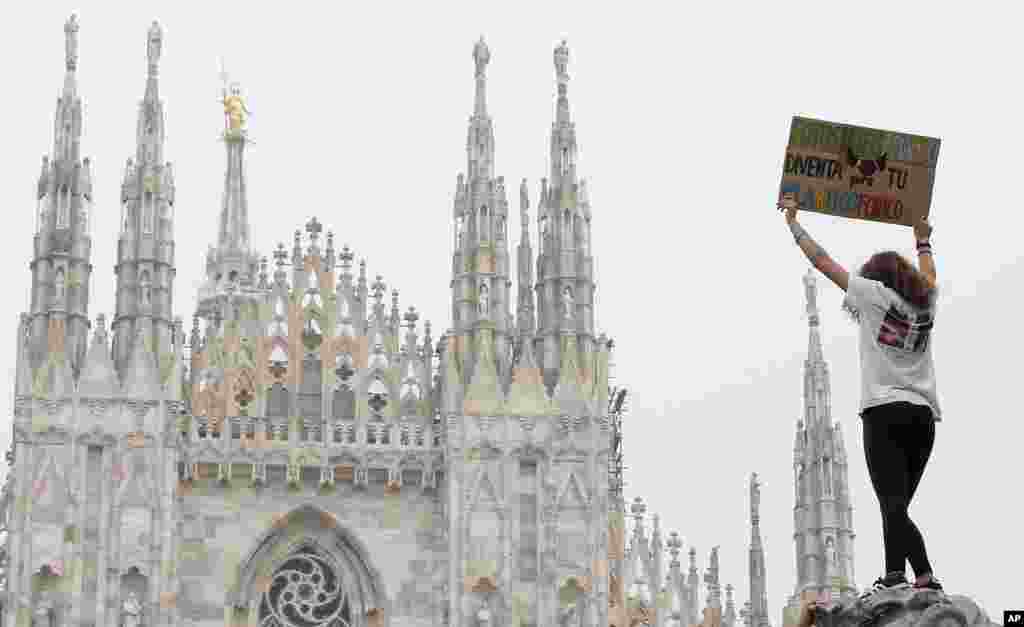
{"x": 407, "y": 434}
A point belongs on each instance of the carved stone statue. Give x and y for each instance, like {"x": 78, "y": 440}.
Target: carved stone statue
{"x": 71, "y": 42}
{"x": 568, "y": 303}
{"x": 812, "y": 293}
{"x": 485, "y": 300}
{"x": 481, "y": 56}
{"x": 155, "y": 44}
{"x": 562, "y": 60}
{"x": 131, "y": 611}
{"x": 755, "y": 495}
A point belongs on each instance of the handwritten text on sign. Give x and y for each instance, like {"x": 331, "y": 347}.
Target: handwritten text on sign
{"x": 859, "y": 173}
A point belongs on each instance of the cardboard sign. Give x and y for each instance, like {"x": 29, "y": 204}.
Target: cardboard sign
{"x": 860, "y": 173}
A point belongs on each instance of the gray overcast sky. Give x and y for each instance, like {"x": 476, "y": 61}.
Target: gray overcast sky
{"x": 360, "y": 114}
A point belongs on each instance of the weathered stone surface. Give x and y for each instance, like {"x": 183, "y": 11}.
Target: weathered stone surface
{"x": 904, "y": 607}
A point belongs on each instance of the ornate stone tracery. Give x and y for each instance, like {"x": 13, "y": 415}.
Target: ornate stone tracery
{"x": 307, "y": 590}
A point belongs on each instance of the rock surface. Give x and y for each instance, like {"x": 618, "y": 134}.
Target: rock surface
{"x": 903, "y": 607}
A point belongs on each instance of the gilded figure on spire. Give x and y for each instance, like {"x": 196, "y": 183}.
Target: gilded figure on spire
{"x": 235, "y": 111}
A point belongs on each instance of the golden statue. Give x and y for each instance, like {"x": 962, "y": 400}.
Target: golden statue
{"x": 234, "y": 108}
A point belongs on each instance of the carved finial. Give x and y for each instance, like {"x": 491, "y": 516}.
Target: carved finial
{"x": 674, "y": 544}
{"x": 639, "y": 508}
{"x": 346, "y": 258}
{"x": 156, "y": 37}
{"x": 481, "y": 56}
{"x": 71, "y": 43}
{"x": 313, "y": 227}
{"x": 411, "y": 317}
{"x": 562, "y": 61}
{"x": 280, "y": 255}
{"x": 524, "y": 205}
{"x": 378, "y": 288}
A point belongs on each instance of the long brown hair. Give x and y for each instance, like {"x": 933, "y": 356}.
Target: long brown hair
{"x": 892, "y": 270}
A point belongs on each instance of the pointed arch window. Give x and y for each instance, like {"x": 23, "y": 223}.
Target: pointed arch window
{"x": 485, "y": 231}
{"x": 827, "y": 463}
{"x": 63, "y": 207}
{"x": 565, "y": 161}
{"x": 147, "y": 213}
{"x": 307, "y": 590}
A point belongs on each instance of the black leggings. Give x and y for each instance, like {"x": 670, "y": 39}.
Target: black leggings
{"x": 898, "y": 439}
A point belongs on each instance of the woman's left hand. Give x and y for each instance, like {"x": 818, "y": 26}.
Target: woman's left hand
{"x": 788, "y": 204}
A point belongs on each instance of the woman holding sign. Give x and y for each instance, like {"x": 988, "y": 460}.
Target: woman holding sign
{"x": 894, "y": 305}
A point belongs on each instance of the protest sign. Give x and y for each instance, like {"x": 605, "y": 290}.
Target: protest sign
{"x": 861, "y": 173}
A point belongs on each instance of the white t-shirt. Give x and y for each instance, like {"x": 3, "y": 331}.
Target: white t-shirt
{"x": 895, "y": 346}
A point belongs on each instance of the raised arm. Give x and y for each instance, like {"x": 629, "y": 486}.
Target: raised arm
{"x": 925, "y": 260}
{"x": 814, "y": 252}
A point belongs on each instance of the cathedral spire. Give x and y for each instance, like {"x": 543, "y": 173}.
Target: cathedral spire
{"x": 565, "y": 283}
{"x": 526, "y": 322}
{"x": 60, "y": 266}
{"x": 480, "y": 264}
{"x": 823, "y": 516}
{"x": 234, "y": 214}
{"x": 232, "y": 266}
{"x": 814, "y": 352}
{"x": 145, "y": 268}
{"x": 481, "y": 57}
{"x": 758, "y": 577}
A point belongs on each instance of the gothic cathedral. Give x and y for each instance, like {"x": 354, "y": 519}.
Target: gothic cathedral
{"x": 309, "y": 455}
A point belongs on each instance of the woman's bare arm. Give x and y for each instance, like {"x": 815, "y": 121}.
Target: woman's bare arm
{"x": 812, "y": 250}
{"x": 925, "y": 260}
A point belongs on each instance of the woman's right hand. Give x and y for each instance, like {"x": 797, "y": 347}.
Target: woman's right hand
{"x": 922, "y": 230}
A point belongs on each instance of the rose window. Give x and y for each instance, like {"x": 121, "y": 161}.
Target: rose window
{"x": 305, "y": 592}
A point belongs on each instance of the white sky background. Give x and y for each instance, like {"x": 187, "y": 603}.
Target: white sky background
{"x": 360, "y": 118}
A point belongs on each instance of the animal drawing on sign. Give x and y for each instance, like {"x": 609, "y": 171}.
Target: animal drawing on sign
{"x": 865, "y": 169}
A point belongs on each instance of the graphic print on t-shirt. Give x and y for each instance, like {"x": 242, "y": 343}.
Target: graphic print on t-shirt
{"x": 905, "y": 332}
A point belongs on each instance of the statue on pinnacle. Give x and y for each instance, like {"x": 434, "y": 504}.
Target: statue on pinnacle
{"x": 71, "y": 42}
{"x": 155, "y": 45}
{"x": 562, "y": 61}
{"x": 235, "y": 111}
{"x": 481, "y": 56}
